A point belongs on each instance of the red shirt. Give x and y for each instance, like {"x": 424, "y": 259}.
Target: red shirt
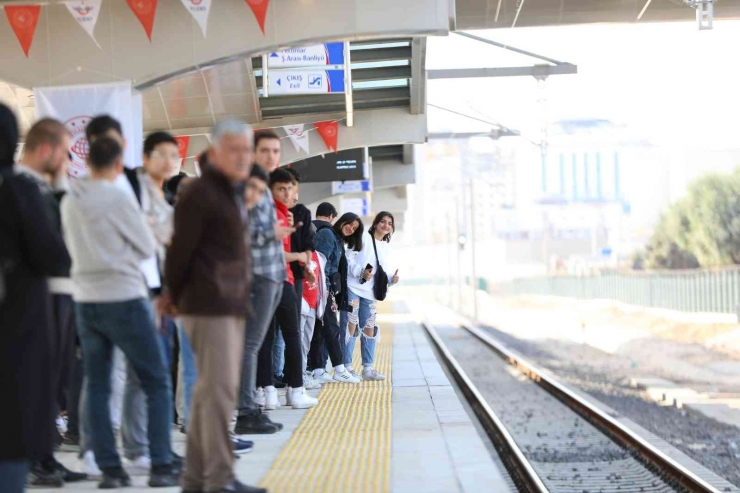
{"x": 311, "y": 293}
{"x": 282, "y": 215}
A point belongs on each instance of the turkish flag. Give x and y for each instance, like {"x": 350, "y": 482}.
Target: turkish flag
{"x": 329, "y": 131}
{"x": 23, "y": 20}
{"x": 259, "y": 9}
{"x": 144, "y": 10}
{"x": 182, "y": 144}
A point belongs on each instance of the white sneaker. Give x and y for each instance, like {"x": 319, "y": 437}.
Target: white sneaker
{"x": 260, "y": 399}
{"x": 323, "y": 378}
{"x": 345, "y": 377}
{"x": 299, "y": 399}
{"x": 372, "y": 375}
{"x": 309, "y": 383}
{"x": 88, "y": 465}
{"x": 354, "y": 374}
{"x": 271, "y": 398}
{"x": 141, "y": 462}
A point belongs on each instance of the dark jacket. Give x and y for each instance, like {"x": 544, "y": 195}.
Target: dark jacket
{"x": 172, "y": 186}
{"x": 302, "y": 239}
{"x": 331, "y": 246}
{"x": 207, "y": 268}
{"x": 31, "y": 250}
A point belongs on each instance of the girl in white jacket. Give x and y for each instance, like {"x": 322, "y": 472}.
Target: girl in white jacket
{"x": 361, "y": 281}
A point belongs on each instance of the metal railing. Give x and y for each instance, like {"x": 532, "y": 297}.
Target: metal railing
{"x": 715, "y": 291}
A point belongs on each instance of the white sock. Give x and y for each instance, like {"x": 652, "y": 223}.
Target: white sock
{"x": 318, "y": 372}
{"x": 270, "y": 388}
{"x": 340, "y": 369}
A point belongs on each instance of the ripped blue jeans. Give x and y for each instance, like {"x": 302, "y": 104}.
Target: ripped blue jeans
{"x": 355, "y": 323}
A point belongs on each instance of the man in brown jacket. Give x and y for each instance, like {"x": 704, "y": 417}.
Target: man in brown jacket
{"x": 208, "y": 276}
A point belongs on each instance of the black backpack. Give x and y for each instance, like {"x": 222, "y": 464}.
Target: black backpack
{"x": 380, "y": 289}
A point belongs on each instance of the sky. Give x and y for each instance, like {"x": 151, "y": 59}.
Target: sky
{"x": 669, "y": 83}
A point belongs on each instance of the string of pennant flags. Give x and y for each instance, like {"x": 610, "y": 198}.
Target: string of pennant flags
{"x": 24, "y": 18}
{"x": 298, "y": 135}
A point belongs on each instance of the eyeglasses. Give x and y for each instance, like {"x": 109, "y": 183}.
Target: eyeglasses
{"x": 171, "y": 157}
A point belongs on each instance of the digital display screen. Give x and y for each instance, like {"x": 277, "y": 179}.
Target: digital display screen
{"x": 345, "y": 165}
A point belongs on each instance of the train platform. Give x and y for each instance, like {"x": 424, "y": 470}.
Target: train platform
{"x": 410, "y": 433}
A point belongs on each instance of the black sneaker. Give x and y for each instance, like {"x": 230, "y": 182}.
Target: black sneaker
{"x": 164, "y": 476}
{"x": 255, "y": 424}
{"x": 67, "y": 475}
{"x": 177, "y": 461}
{"x": 264, "y": 416}
{"x": 242, "y": 447}
{"x": 39, "y": 477}
{"x": 114, "y": 478}
{"x": 237, "y": 487}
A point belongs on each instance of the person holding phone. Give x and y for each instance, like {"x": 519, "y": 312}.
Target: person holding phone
{"x": 287, "y": 314}
{"x": 360, "y": 319}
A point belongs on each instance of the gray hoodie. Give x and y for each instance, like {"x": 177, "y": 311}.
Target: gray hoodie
{"x": 107, "y": 237}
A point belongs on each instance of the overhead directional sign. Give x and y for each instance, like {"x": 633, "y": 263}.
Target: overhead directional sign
{"x": 308, "y": 56}
{"x": 339, "y": 187}
{"x": 305, "y": 81}
{"x": 359, "y": 206}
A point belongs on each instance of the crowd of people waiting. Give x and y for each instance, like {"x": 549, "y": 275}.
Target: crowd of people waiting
{"x": 117, "y": 287}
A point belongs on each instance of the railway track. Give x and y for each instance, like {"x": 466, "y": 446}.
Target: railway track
{"x": 549, "y": 438}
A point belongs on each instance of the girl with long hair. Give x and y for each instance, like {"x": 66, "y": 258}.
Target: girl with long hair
{"x": 333, "y": 242}
{"x": 364, "y": 270}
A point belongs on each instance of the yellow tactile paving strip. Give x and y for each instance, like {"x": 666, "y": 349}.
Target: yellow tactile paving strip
{"x": 344, "y": 443}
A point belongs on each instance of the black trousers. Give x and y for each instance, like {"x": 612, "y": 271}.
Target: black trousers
{"x": 286, "y": 316}
{"x": 328, "y": 341}
{"x": 63, "y": 336}
{"x": 73, "y": 395}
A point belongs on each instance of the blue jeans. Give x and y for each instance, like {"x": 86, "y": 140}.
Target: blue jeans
{"x": 362, "y": 316}
{"x": 188, "y": 373}
{"x": 14, "y": 474}
{"x": 128, "y": 325}
{"x": 278, "y": 354}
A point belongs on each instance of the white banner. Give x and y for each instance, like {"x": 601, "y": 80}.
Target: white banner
{"x": 75, "y": 106}
{"x": 86, "y": 14}
{"x": 298, "y": 137}
{"x": 199, "y": 9}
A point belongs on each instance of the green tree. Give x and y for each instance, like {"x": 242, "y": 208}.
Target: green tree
{"x": 713, "y": 215}
{"x": 666, "y": 249}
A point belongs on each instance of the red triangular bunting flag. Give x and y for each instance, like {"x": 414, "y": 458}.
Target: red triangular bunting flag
{"x": 144, "y": 10}
{"x": 259, "y": 9}
{"x": 182, "y": 143}
{"x": 23, "y": 20}
{"x": 329, "y": 131}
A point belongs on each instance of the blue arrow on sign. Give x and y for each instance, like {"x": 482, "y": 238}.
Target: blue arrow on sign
{"x": 278, "y": 82}
{"x": 274, "y": 55}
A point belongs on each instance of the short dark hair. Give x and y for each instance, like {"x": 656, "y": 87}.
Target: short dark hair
{"x": 45, "y": 131}
{"x": 259, "y": 173}
{"x": 353, "y": 242}
{"x": 104, "y": 152}
{"x": 155, "y": 139}
{"x": 280, "y": 175}
{"x": 100, "y": 125}
{"x": 382, "y": 215}
{"x": 325, "y": 209}
{"x": 296, "y": 174}
{"x": 202, "y": 160}
{"x": 264, "y": 134}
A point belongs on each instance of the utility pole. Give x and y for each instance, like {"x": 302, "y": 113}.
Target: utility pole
{"x": 474, "y": 273}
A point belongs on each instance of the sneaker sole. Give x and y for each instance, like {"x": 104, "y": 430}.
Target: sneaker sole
{"x": 243, "y": 452}
{"x": 304, "y": 406}
{"x": 256, "y": 432}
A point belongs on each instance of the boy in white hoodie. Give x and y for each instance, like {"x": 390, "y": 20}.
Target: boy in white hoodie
{"x": 313, "y": 305}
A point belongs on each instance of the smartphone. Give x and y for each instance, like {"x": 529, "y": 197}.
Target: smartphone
{"x": 367, "y": 268}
